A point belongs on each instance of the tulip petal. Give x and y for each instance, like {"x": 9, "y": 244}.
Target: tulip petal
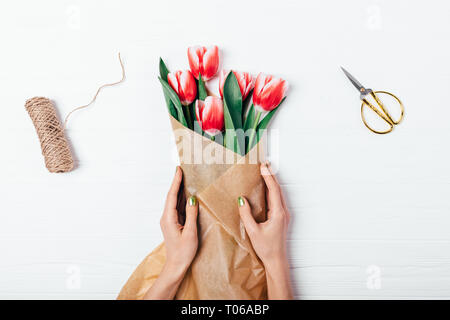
{"x": 210, "y": 63}
{"x": 183, "y": 83}
{"x": 260, "y": 82}
{"x": 212, "y": 115}
{"x": 245, "y": 81}
{"x": 191, "y": 88}
{"x": 187, "y": 87}
{"x": 194, "y": 59}
{"x": 172, "y": 80}
{"x": 199, "y": 106}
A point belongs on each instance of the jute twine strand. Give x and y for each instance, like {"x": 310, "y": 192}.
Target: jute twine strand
{"x": 54, "y": 145}
{"x": 98, "y": 91}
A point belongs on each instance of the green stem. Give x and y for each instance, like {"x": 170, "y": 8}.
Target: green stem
{"x": 201, "y": 88}
{"x": 224, "y": 142}
{"x": 188, "y": 116}
{"x": 252, "y": 134}
{"x": 213, "y": 138}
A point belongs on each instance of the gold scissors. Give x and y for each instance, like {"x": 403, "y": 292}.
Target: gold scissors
{"x": 381, "y": 110}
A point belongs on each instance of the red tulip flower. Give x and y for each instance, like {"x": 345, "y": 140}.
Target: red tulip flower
{"x": 209, "y": 114}
{"x": 267, "y": 95}
{"x": 204, "y": 61}
{"x": 245, "y": 80}
{"x": 183, "y": 83}
{"x": 269, "y": 92}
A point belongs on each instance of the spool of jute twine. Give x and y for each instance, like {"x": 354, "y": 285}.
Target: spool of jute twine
{"x": 54, "y": 144}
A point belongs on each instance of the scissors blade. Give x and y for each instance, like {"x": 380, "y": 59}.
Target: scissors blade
{"x": 355, "y": 82}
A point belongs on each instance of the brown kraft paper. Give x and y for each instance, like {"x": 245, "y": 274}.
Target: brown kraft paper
{"x": 226, "y": 265}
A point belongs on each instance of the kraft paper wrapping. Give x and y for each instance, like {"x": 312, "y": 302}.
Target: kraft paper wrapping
{"x": 226, "y": 266}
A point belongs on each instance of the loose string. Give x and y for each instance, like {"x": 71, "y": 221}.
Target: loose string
{"x": 98, "y": 91}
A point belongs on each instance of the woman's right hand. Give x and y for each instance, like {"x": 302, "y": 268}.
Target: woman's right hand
{"x": 269, "y": 238}
{"x": 180, "y": 241}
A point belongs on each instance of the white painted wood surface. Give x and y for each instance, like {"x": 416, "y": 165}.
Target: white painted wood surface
{"x": 371, "y": 214}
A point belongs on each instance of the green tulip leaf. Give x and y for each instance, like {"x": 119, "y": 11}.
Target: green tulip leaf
{"x": 168, "y": 91}
{"x": 191, "y": 111}
{"x": 250, "y": 118}
{"x": 233, "y": 103}
{"x": 248, "y": 124}
{"x": 230, "y": 140}
{"x": 232, "y": 96}
{"x": 245, "y": 106}
{"x": 163, "y": 71}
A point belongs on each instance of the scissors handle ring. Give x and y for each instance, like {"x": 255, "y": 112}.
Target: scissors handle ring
{"x": 402, "y": 108}
{"x": 383, "y": 113}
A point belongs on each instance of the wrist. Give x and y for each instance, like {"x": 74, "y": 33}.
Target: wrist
{"x": 174, "y": 272}
{"x": 276, "y": 265}
{"x": 278, "y": 279}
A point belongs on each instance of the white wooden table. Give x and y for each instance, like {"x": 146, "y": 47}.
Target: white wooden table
{"x": 371, "y": 214}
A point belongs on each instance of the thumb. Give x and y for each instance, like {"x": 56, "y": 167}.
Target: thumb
{"x": 191, "y": 215}
{"x": 246, "y": 215}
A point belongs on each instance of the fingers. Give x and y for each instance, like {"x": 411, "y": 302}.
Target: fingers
{"x": 246, "y": 215}
{"x": 190, "y": 226}
{"x": 274, "y": 192}
{"x": 283, "y": 201}
{"x": 172, "y": 195}
{"x": 268, "y": 170}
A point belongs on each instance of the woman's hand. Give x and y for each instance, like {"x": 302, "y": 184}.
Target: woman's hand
{"x": 269, "y": 238}
{"x": 180, "y": 242}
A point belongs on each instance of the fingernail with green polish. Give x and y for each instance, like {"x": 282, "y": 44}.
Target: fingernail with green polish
{"x": 241, "y": 201}
{"x": 192, "y": 201}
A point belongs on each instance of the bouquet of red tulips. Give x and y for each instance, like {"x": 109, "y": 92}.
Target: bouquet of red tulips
{"x": 188, "y": 100}
{"x": 208, "y": 129}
